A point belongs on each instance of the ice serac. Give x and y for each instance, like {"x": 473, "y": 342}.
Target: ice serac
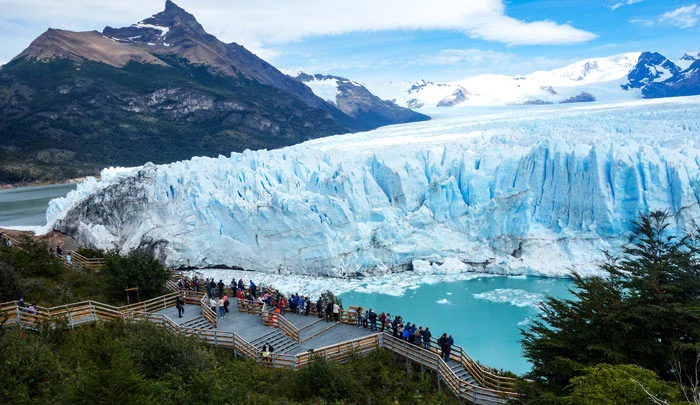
{"x": 533, "y": 190}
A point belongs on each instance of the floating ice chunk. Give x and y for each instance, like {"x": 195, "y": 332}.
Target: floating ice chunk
{"x": 444, "y": 301}
{"x": 516, "y": 297}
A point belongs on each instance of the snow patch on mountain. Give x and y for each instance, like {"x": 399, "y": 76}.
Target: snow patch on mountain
{"x": 601, "y": 77}
{"x": 326, "y": 88}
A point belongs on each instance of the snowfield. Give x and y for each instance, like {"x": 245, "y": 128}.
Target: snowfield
{"x": 535, "y": 190}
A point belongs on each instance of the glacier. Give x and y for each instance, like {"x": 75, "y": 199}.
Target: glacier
{"x": 534, "y": 190}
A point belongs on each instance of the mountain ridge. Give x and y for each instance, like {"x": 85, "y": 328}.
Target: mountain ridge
{"x": 160, "y": 90}
{"x": 620, "y": 77}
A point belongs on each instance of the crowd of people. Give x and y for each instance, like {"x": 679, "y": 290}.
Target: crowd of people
{"x": 302, "y": 305}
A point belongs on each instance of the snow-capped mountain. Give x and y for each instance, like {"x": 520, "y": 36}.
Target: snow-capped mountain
{"x": 534, "y": 190}
{"x": 355, "y": 100}
{"x": 687, "y": 59}
{"x": 615, "y": 78}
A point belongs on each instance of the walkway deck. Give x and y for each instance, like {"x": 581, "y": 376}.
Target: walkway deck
{"x": 250, "y": 327}
{"x": 297, "y": 339}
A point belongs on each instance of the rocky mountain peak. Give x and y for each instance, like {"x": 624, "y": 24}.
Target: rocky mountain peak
{"x": 166, "y": 28}
{"x": 651, "y": 67}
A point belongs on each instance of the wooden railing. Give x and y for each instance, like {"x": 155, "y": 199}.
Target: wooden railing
{"x": 280, "y": 322}
{"x": 81, "y": 261}
{"x": 210, "y": 315}
{"x": 15, "y": 243}
{"x": 340, "y": 352}
{"x": 250, "y": 307}
{"x": 487, "y": 388}
{"x": 431, "y": 359}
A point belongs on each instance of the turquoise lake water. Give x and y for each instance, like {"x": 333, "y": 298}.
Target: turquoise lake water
{"x": 483, "y": 315}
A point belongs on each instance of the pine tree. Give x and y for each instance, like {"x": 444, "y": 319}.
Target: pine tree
{"x": 645, "y": 312}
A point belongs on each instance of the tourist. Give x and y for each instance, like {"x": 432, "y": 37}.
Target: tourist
{"x": 212, "y": 288}
{"x": 180, "y": 305}
{"x": 195, "y": 283}
{"x": 372, "y": 316}
{"x": 329, "y": 311}
{"x": 212, "y": 304}
{"x": 426, "y": 338}
{"x": 382, "y": 320}
{"x": 266, "y": 352}
{"x": 8, "y": 243}
{"x": 301, "y": 305}
{"x": 358, "y": 313}
{"x": 252, "y": 289}
{"x": 293, "y": 301}
{"x": 222, "y": 309}
{"x": 180, "y": 285}
{"x": 221, "y": 287}
{"x": 406, "y": 332}
{"x": 282, "y": 305}
{"x": 240, "y": 284}
{"x": 59, "y": 251}
{"x": 448, "y": 347}
{"x": 336, "y": 312}
{"x": 395, "y": 326}
{"x": 21, "y": 304}
{"x": 441, "y": 343}
{"x": 411, "y": 333}
{"x": 388, "y": 321}
{"x": 308, "y": 306}
{"x": 319, "y": 308}
{"x": 418, "y": 339}
{"x": 32, "y": 309}
{"x": 69, "y": 260}
{"x": 226, "y": 304}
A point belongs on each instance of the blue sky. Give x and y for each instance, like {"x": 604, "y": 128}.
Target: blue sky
{"x": 395, "y": 40}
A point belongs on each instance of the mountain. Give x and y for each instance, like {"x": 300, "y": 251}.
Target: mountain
{"x": 160, "y": 90}
{"x": 537, "y": 191}
{"x": 609, "y": 79}
{"x": 355, "y": 100}
{"x": 599, "y": 77}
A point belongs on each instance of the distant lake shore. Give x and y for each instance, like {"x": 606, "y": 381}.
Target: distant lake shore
{"x": 14, "y": 186}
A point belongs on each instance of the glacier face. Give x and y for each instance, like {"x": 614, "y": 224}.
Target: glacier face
{"x": 527, "y": 190}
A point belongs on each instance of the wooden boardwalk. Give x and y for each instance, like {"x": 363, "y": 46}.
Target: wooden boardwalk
{"x": 297, "y": 339}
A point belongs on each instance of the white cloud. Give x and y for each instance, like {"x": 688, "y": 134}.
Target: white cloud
{"x": 256, "y": 24}
{"x": 643, "y": 21}
{"x": 682, "y": 17}
{"x": 624, "y": 3}
{"x": 266, "y": 54}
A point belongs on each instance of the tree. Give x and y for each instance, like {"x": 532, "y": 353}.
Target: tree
{"x": 135, "y": 270}
{"x": 645, "y": 312}
{"x": 622, "y": 384}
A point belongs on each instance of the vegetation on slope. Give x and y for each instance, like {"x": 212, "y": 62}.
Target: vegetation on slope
{"x": 39, "y": 276}
{"x": 139, "y": 363}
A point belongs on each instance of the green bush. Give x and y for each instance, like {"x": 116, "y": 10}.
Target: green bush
{"x": 605, "y": 384}
{"x": 134, "y": 270}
